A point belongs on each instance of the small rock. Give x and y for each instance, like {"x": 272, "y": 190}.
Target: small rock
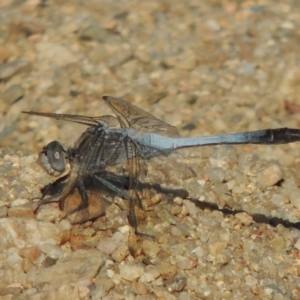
{"x": 19, "y": 202}
{"x": 186, "y": 263}
{"x": 3, "y": 211}
{"x": 107, "y": 245}
{"x": 278, "y": 243}
{"x": 77, "y": 267}
{"x": 21, "y": 232}
{"x": 84, "y": 292}
{"x": 297, "y": 245}
{"x": 172, "y": 76}
{"x": 48, "y": 213}
{"x": 291, "y": 189}
{"x": 278, "y": 200}
{"x": 270, "y": 176}
{"x": 32, "y": 253}
{"x": 230, "y": 184}
{"x": 30, "y": 27}
{"x": 11, "y": 68}
{"x": 11, "y": 95}
{"x": 184, "y": 296}
{"x": 147, "y": 277}
{"x": 175, "y": 284}
{"x": 244, "y": 218}
{"x": 151, "y": 273}
{"x": 69, "y": 291}
{"x": 49, "y": 262}
{"x": 183, "y": 61}
{"x": 26, "y": 265}
{"x": 11, "y": 290}
{"x": 13, "y": 258}
{"x": 56, "y": 55}
{"x": 120, "y": 254}
{"x": 98, "y": 292}
{"x": 131, "y": 272}
{"x": 217, "y": 247}
{"x": 94, "y": 32}
{"x": 216, "y": 174}
{"x": 139, "y": 287}
{"x": 111, "y": 55}
{"x": 150, "y": 248}
{"x": 294, "y": 196}
{"x": 21, "y": 211}
{"x": 167, "y": 270}
{"x": 52, "y": 251}
{"x": 164, "y": 214}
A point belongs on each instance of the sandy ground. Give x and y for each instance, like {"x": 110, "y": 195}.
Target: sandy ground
{"x": 206, "y": 67}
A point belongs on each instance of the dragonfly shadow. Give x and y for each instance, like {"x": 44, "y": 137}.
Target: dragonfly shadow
{"x": 258, "y": 218}
{"x": 121, "y": 182}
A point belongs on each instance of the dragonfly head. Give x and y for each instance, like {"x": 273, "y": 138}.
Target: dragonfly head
{"x": 54, "y": 159}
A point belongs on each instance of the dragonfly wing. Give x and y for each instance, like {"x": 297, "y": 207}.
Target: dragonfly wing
{"x": 109, "y": 121}
{"x": 131, "y": 116}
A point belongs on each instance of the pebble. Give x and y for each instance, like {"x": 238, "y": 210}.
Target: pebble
{"x": 186, "y": 263}
{"x": 18, "y": 202}
{"x": 48, "y": 214}
{"x": 131, "y": 272}
{"x": 167, "y": 270}
{"x": 107, "y": 245}
{"x": 164, "y": 214}
{"x": 270, "y": 176}
{"x": 150, "y": 248}
{"x": 9, "y": 69}
{"x": 87, "y": 262}
{"x": 112, "y": 55}
{"x": 278, "y": 243}
{"x": 217, "y": 247}
{"x": 183, "y": 61}
{"x": 70, "y": 291}
{"x": 294, "y": 197}
{"x": 3, "y": 211}
{"x": 216, "y": 175}
{"x": 32, "y": 252}
{"x": 11, "y": 95}
{"x": 94, "y": 32}
{"x": 57, "y": 55}
{"x": 244, "y": 218}
{"x": 12, "y": 232}
{"x": 120, "y": 253}
{"x": 21, "y": 211}
{"x": 176, "y": 284}
{"x": 147, "y": 277}
{"x": 297, "y": 245}
{"x": 52, "y": 251}
{"x": 11, "y": 290}
{"x": 278, "y": 200}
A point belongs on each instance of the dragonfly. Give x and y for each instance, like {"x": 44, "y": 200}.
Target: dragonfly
{"x": 131, "y": 137}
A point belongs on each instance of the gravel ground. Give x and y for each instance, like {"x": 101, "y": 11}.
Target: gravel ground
{"x": 206, "y": 67}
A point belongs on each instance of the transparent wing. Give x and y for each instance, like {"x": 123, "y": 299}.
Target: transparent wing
{"x": 109, "y": 121}
{"x": 131, "y": 116}
{"x": 128, "y": 116}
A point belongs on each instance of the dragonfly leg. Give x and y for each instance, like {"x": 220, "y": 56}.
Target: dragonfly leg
{"x": 113, "y": 188}
{"x": 135, "y": 202}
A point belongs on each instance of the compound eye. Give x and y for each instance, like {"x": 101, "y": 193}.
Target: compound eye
{"x": 53, "y": 158}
